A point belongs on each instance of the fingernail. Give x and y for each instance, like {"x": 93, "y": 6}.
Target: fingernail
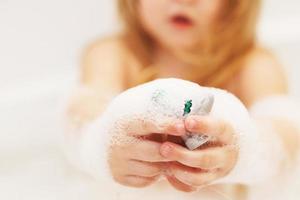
{"x": 166, "y": 150}
{"x": 180, "y": 128}
{"x": 192, "y": 124}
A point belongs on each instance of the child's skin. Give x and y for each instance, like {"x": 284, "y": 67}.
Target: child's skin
{"x": 103, "y": 70}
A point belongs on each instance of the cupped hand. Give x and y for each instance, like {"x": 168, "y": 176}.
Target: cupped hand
{"x": 138, "y": 162}
{"x": 193, "y": 169}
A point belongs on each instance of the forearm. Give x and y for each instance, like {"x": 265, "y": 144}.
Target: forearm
{"x": 289, "y": 134}
{"x": 270, "y": 147}
{"x": 79, "y": 134}
{"x": 84, "y": 104}
{"x": 283, "y": 113}
{"x": 85, "y": 139}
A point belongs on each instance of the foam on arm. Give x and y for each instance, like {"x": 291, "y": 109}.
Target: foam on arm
{"x": 263, "y": 154}
{"x": 86, "y": 141}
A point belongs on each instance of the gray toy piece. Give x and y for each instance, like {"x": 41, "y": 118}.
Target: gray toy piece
{"x": 195, "y": 140}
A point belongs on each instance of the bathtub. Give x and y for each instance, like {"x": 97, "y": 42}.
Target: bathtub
{"x": 32, "y": 166}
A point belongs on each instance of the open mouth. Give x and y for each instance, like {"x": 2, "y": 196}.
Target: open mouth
{"x": 181, "y": 21}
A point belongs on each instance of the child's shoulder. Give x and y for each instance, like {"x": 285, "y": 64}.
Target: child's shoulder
{"x": 261, "y": 75}
{"x": 261, "y": 63}
{"x": 110, "y": 46}
{"x": 105, "y": 60}
{"x": 261, "y": 55}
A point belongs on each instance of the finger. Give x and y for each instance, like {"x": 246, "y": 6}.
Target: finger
{"x": 193, "y": 176}
{"x": 139, "y": 127}
{"x": 137, "y": 181}
{"x": 175, "y": 128}
{"x": 179, "y": 185}
{"x": 144, "y": 169}
{"x": 144, "y": 150}
{"x": 195, "y": 179}
{"x": 210, "y": 158}
{"x": 217, "y": 128}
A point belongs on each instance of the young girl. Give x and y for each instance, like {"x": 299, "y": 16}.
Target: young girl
{"x": 211, "y": 43}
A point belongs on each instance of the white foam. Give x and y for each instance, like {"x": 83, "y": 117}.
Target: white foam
{"x": 160, "y": 102}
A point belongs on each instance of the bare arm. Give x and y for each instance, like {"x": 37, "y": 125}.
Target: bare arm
{"x": 100, "y": 79}
{"x": 266, "y": 145}
{"x": 89, "y": 142}
{"x": 263, "y": 77}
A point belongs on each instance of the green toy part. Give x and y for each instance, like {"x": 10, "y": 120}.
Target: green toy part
{"x": 187, "y": 107}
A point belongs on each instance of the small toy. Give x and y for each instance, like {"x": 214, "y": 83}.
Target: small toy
{"x": 195, "y": 140}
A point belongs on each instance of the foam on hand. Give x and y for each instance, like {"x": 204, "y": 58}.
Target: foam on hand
{"x": 163, "y": 101}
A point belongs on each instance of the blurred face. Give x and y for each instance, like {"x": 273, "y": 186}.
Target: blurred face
{"x": 178, "y": 23}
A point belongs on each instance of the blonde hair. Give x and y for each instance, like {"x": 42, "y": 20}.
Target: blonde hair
{"x": 231, "y": 38}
